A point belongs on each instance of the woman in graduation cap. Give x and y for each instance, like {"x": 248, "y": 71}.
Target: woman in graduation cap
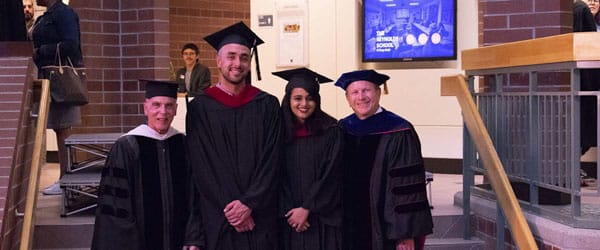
{"x": 310, "y": 196}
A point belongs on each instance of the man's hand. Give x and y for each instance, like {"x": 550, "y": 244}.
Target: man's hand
{"x": 237, "y": 213}
{"x": 190, "y": 248}
{"x": 406, "y": 244}
{"x": 248, "y": 225}
{"x": 297, "y": 219}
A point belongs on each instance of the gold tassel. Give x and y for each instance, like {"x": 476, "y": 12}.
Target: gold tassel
{"x": 385, "y": 88}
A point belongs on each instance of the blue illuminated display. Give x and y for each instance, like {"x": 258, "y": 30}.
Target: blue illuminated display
{"x": 407, "y": 30}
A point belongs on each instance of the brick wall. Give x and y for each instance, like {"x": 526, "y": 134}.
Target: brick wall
{"x": 17, "y": 133}
{"x": 485, "y": 229}
{"x": 191, "y": 21}
{"x": 516, "y": 20}
{"x": 124, "y": 41}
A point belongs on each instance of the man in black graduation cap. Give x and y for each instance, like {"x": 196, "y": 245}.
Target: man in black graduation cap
{"x": 143, "y": 202}
{"x": 234, "y": 143}
{"x": 384, "y": 195}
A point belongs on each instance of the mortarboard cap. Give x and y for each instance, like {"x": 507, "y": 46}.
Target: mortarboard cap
{"x": 160, "y": 88}
{"x": 237, "y": 33}
{"x": 302, "y": 78}
{"x": 362, "y": 75}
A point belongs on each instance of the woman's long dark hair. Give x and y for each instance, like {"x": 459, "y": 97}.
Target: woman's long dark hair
{"x": 318, "y": 122}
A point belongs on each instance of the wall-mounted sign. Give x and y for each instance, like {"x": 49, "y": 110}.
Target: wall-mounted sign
{"x": 265, "y": 20}
{"x": 293, "y": 34}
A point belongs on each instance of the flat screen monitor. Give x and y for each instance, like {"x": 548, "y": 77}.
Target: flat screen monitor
{"x": 408, "y": 30}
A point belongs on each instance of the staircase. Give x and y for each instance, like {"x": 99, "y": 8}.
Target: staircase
{"x": 448, "y": 221}
{"x": 448, "y": 233}
{"x": 75, "y": 231}
{"x": 55, "y": 232}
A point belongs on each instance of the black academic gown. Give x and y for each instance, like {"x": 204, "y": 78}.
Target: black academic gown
{"x": 384, "y": 193}
{"x": 312, "y": 179}
{"x": 234, "y": 145}
{"x": 144, "y": 193}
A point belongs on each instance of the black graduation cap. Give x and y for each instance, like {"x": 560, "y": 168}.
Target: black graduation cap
{"x": 302, "y": 78}
{"x": 362, "y": 75}
{"x": 160, "y": 88}
{"x": 237, "y": 33}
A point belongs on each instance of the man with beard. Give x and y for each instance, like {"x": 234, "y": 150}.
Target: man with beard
{"x": 29, "y": 20}
{"x": 234, "y": 142}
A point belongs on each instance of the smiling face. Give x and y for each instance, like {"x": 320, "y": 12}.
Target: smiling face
{"x": 160, "y": 111}
{"x": 189, "y": 57}
{"x": 233, "y": 61}
{"x": 302, "y": 104}
{"x": 594, "y": 6}
{"x": 363, "y": 98}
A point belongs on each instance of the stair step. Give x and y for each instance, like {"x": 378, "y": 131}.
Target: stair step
{"x": 454, "y": 243}
{"x": 63, "y": 236}
{"x": 447, "y": 226}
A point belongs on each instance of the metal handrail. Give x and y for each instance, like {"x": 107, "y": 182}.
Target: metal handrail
{"x": 456, "y": 86}
{"x": 32, "y": 187}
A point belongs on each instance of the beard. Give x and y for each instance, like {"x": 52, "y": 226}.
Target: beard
{"x": 236, "y": 80}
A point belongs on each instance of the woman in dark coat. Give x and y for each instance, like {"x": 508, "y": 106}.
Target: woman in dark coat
{"x": 58, "y": 28}
{"x": 310, "y": 197}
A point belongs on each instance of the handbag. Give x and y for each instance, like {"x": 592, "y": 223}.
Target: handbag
{"x": 67, "y": 84}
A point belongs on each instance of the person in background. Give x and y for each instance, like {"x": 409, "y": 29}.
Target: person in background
{"x": 234, "y": 143}
{"x": 29, "y": 16}
{"x": 584, "y": 21}
{"x": 310, "y": 194}
{"x": 143, "y": 201}
{"x": 58, "y": 27}
{"x": 594, "y": 6}
{"x": 194, "y": 77}
{"x": 384, "y": 195}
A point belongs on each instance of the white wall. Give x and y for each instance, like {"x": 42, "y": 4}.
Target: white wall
{"x": 334, "y": 48}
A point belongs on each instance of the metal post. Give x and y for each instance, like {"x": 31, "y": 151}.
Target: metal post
{"x": 533, "y": 164}
{"x": 575, "y": 142}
